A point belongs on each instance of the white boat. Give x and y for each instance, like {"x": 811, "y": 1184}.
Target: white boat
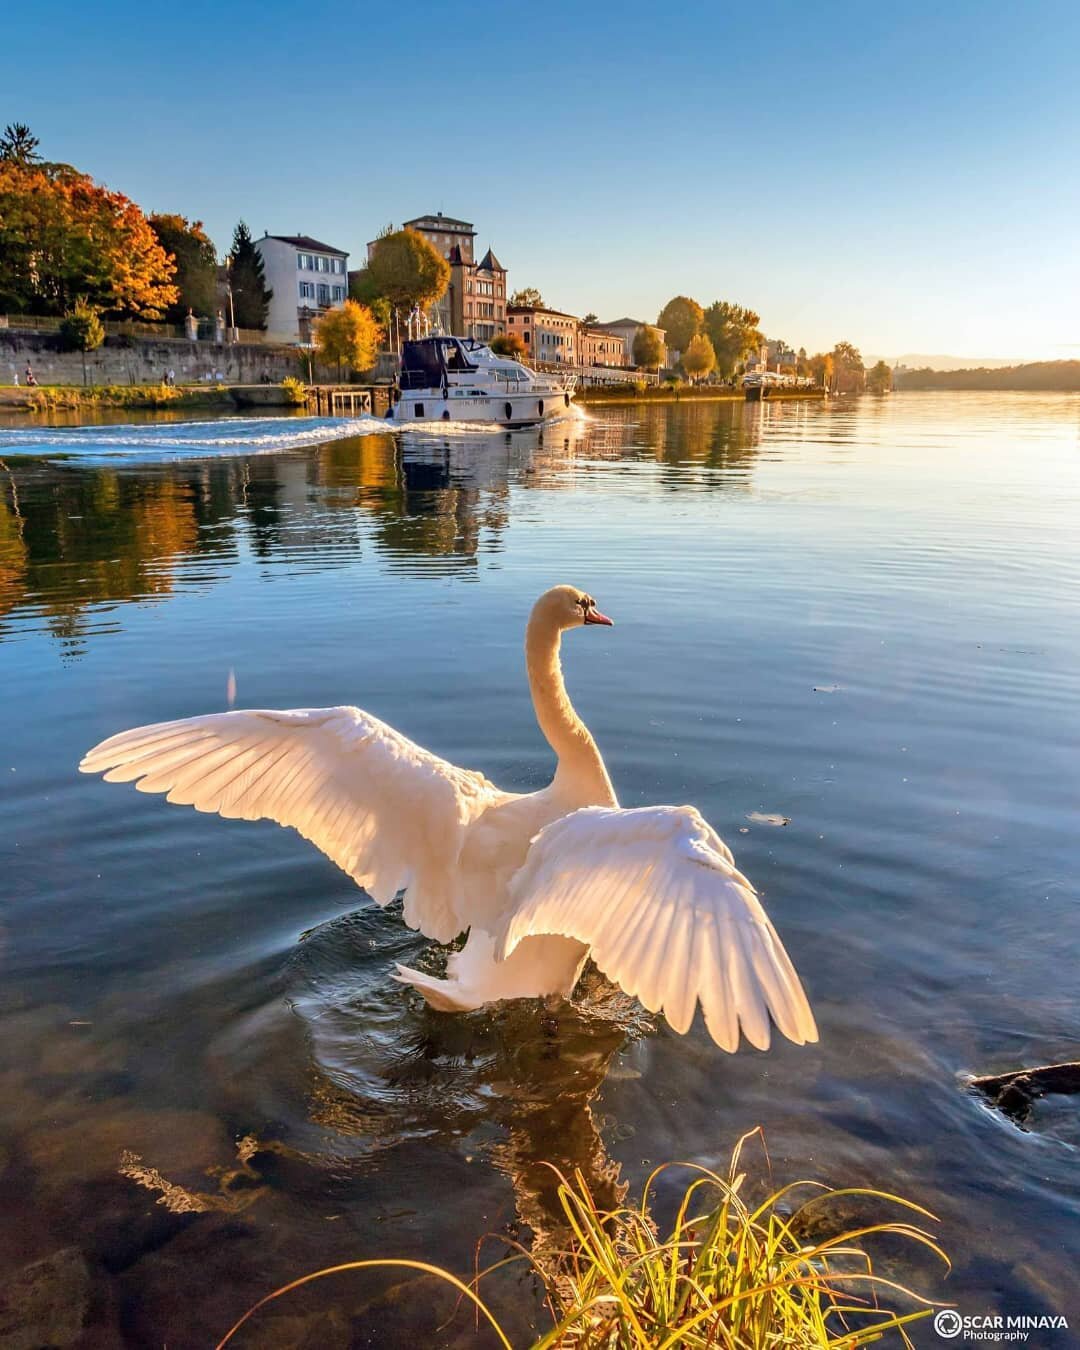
{"x": 449, "y": 379}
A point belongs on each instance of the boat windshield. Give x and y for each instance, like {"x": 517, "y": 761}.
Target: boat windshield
{"x": 510, "y": 370}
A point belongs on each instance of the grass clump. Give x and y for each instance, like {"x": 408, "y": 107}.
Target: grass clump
{"x": 731, "y": 1274}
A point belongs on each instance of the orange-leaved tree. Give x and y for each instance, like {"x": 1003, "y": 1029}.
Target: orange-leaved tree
{"x": 64, "y": 237}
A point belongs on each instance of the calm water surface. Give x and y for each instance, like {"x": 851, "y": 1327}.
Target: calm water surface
{"x": 860, "y": 616}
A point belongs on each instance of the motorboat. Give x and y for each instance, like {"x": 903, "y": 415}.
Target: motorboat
{"x": 451, "y": 379}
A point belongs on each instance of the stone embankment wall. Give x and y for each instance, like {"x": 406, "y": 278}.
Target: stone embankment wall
{"x": 142, "y": 361}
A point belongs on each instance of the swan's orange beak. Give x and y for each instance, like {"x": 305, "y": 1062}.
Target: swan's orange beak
{"x": 594, "y": 616}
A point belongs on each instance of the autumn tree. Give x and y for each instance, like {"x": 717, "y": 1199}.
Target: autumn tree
{"x": 879, "y": 378}
{"x": 849, "y": 374}
{"x": 405, "y": 270}
{"x": 734, "y": 332}
{"x": 195, "y": 258}
{"x": 62, "y": 237}
{"x": 681, "y": 319}
{"x": 347, "y": 337}
{"x": 699, "y": 359}
{"x": 648, "y": 348}
{"x": 247, "y": 279}
{"x": 528, "y": 298}
{"x": 509, "y": 344}
{"x": 821, "y": 367}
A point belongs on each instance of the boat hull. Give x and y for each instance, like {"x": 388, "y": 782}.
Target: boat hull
{"x": 511, "y": 410}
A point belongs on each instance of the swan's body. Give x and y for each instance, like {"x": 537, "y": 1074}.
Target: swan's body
{"x": 541, "y": 880}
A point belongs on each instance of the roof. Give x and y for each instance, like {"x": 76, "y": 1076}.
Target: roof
{"x": 540, "y": 309}
{"x": 625, "y": 323}
{"x": 448, "y": 221}
{"x": 306, "y": 241}
{"x": 489, "y": 263}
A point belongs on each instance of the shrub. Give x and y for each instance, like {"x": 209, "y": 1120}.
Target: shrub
{"x": 295, "y": 391}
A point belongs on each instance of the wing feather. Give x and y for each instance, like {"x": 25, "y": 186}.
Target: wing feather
{"x": 656, "y": 896}
{"x": 385, "y": 810}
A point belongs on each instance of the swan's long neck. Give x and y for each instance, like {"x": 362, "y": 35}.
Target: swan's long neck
{"x": 581, "y": 769}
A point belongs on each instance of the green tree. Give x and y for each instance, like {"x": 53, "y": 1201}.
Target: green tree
{"x": 699, "y": 359}
{"x": 193, "y": 253}
{"x": 404, "y": 270}
{"x": 681, "y": 319}
{"x": 879, "y": 378}
{"x": 509, "y": 344}
{"x": 82, "y": 331}
{"x": 648, "y": 348}
{"x": 529, "y": 297}
{"x": 733, "y": 331}
{"x": 18, "y": 146}
{"x": 590, "y": 319}
{"x": 247, "y": 277}
{"x": 348, "y": 336}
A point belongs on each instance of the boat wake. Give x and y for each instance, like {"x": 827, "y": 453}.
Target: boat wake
{"x": 185, "y": 440}
{"x": 148, "y": 442}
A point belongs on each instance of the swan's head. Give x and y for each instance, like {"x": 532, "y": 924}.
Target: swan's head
{"x": 568, "y": 607}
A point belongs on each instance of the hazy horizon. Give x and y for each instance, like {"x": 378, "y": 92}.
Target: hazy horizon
{"x": 861, "y": 175}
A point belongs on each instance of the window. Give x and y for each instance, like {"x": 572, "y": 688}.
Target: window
{"x": 324, "y": 295}
{"x": 305, "y": 262}
{"x": 323, "y": 264}
{"x": 307, "y": 290}
{"x": 418, "y": 410}
{"x": 337, "y": 265}
{"x": 339, "y": 292}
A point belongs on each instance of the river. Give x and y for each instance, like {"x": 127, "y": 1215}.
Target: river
{"x": 860, "y": 617}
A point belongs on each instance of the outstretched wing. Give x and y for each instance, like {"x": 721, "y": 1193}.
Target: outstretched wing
{"x": 385, "y": 810}
{"x": 655, "y": 895}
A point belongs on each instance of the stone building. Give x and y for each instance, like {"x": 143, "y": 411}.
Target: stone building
{"x": 548, "y": 334}
{"x": 475, "y": 301}
{"x": 598, "y": 347}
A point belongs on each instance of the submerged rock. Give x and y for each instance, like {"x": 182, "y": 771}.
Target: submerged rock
{"x": 46, "y": 1303}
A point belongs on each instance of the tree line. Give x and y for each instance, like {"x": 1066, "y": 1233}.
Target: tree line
{"x": 70, "y": 246}
{"x": 1044, "y": 375}
{"x": 722, "y": 336}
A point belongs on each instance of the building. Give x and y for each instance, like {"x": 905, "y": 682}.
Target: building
{"x": 626, "y": 330}
{"x": 477, "y": 297}
{"x": 475, "y": 301}
{"x": 598, "y": 347}
{"x": 548, "y": 334}
{"x": 306, "y": 277}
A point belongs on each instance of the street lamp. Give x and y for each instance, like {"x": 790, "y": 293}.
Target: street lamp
{"x": 229, "y": 289}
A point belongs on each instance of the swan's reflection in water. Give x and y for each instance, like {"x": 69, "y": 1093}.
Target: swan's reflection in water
{"x": 387, "y": 1068}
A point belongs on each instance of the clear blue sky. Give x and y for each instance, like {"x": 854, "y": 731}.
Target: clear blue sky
{"x": 904, "y": 176}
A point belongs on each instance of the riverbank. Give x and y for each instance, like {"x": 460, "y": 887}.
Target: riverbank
{"x": 60, "y": 397}
{"x": 598, "y": 394}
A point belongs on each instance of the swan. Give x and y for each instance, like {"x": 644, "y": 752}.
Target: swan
{"x": 541, "y": 880}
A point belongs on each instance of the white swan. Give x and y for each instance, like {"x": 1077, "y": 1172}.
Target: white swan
{"x": 542, "y": 880}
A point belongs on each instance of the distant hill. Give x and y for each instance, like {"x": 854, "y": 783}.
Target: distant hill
{"x": 1046, "y": 375}
{"x": 920, "y": 361}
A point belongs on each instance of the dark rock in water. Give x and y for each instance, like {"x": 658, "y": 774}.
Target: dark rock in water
{"x": 1013, "y": 1094}
{"x": 46, "y": 1303}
